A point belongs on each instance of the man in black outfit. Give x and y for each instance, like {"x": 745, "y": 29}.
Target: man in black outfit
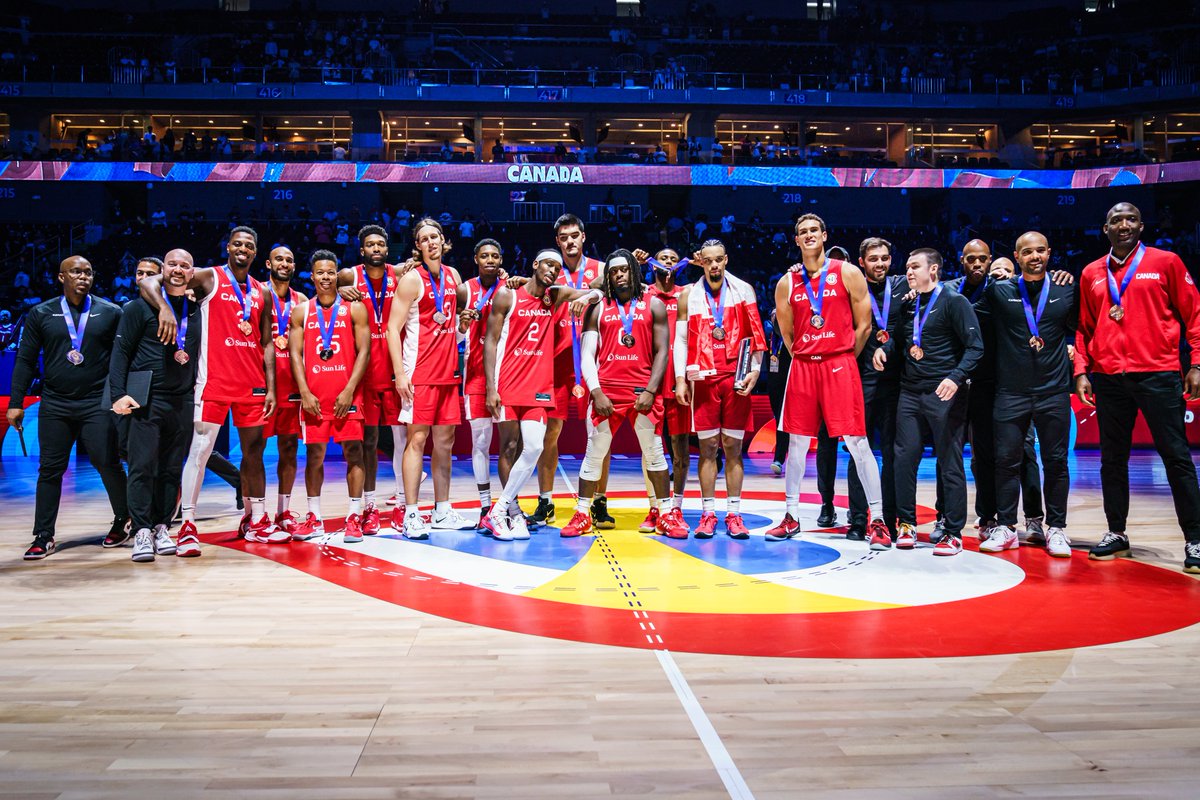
{"x": 1034, "y": 323}
{"x": 74, "y": 335}
{"x": 159, "y": 432}
{"x": 939, "y": 333}
{"x": 780, "y": 361}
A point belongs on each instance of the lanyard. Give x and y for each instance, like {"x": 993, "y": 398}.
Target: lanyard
{"x": 282, "y": 314}
{"x": 239, "y": 292}
{"x": 1030, "y": 317}
{"x": 325, "y": 327}
{"x": 881, "y": 318}
{"x": 717, "y": 309}
{"x": 485, "y": 297}
{"x": 181, "y": 328}
{"x": 919, "y": 319}
{"x": 439, "y": 291}
{"x": 626, "y": 315}
{"x": 978, "y": 293}
{"x": 376, "y": 299}
{"x": 816, "y": 300}
{"x": 75, "y": 333}
{"x": 1115, "y": 293}
{"x": 576, "y": 355}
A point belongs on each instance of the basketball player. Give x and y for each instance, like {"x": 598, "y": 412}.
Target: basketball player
{"x": 1135, "y": 306}
{"x": 422, "y": 343}
{"x": 329, "y": 342}
{"x": 1034, "y": 323}
{"x": 520, "y": 380}
{"x": 716, "y": 314}
{"x": 475, "y": 300}
{"x": 624, "y": 363}
{"x": 578, "y": 272}
{"x": 824, "y": 316}
{"x": 236, "y": 372}
{"x": 938, "y": 331}
{"x": 284, "y": 424}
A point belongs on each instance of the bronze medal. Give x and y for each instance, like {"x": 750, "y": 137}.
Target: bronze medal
{"x": 181, "y": 357}
{"x": 817, "y": 321}
{"x": 244, "y": 327}
{"x": 1037, "y": 343}
{"x": 627, "y": 339}
{"x": 882, "y": 336}
{"x": 916, "y": 353}
{"x": 326, "y": 353}
{"x": 546, "y": 301}
{"x": 75, "y": 357}
{"x": 719, "y": 333}
{"x": 578, "y": 391}
{"x": 1117, "y": 313}
{"x": 281, "y": 342}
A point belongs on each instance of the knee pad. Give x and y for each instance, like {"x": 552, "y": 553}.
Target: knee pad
{"x": 653, "y": 458}
{"x": 597, "y": 448}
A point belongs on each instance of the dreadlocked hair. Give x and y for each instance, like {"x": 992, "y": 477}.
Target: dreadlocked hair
{"x": 635, "y": 275}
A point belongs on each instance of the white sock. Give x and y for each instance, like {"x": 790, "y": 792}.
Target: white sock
{"x": 368, "y": 499}
{"x": 656, "y": 504}
{"x": 411, "y": 512}
{"x": 284, "y": 501}
{"x": 356, "y": 505}
{"x": 708, "y": 504}
{"x": 584, "y": 505}
{"x": 794, "y": 474}
{"x": 258, "y": 507}
{"x": 485, "y": 498}
{"x": 189, "y": 514}
{"x": 546, "y": 495}
{"x": 677, "y": 502}
{"x": 733, "y": 505}
{"x": 314, "y": 507}
{"x": 441, "y": 508}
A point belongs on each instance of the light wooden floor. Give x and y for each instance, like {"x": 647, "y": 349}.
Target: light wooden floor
{"x": 234, "y": 677}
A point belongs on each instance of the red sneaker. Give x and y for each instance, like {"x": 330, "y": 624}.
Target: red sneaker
{"x": 879, "y": 536}
{"x": 580, "y": 524}
{"x": 786, "y": 529}
{"x": 43, "y": 545}
{"x": 188, "y": 543}
{"x": 650, "y": 523}
{"x": 310, "y": 528}
{"x": 485, "y": 525}
{"x": 370, "y": 520}
{"x": 264, "y": 531}
{"x": 398, "y": 518}
{"x": 354, "y": 529}
{"x": 735, "y": 527}
{"x": 286, "y": 521}
{"x": 671, "y": 524}
{"x": 949, "y": 546}
{"x": 707, "y": 525}
{"x": 244, "y": 525}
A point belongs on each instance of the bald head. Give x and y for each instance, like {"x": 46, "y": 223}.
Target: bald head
{"x": 73, "y": 262}
{"x": 282, "y": 263}
{"x": 1033, "y": 255}
{"x": 1123, "y": 227}
{"x": 179, "y": 257}
{"x": 976, "y": 260}
{"x": 177, "y": 271}
{"x": 75, "y": 275}
{"x": 1002, "y": 268}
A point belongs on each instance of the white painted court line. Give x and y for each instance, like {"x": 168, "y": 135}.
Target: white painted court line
{"x": 730, "y": 776}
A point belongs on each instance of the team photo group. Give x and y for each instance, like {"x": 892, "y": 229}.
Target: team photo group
{"x": 876, "y": 351}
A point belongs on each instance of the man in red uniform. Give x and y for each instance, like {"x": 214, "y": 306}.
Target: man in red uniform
{"x": 520, "y": 380}
{"x": 329, "y": 343}
{"x": 423, "y": 344}
{"x": 475, "y": 300}
{"x": 823, "y": 314}
{"x": 716, "y": 314}
{"x": 1135, "y": 305}
{"x": 578, "y": 272}
{"x": 284, "y": 424}
{"x": 236, "y": 372}
{"x": 624, "y": 363}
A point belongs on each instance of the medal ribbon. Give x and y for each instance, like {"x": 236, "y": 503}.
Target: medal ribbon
{"x": 1115, "y": 293}
{"x": 978, "y": 293}
{"x": 718, "y": 312}
{"x": 76, "y": 334}
{"x": 817, "y": 300}
{"x": 1032, "y": 319}
{"x": 626, "y": 315}
{"x": 483, "y": 298}
{"x": 439, "y": 291}
{"x": 239, "y": 292}
{"x": 918, "y": 319}
{"x": 881, "y": 318}
{"x": 377, "y": 299}
{"x": 326, "y": 327}
{"x": 576, "y": 283}
{"x": 182, "y": 326}
{"x": 281, "y": 314}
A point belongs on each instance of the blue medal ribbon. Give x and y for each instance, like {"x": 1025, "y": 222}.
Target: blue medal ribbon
{"x": 919, "y": 319}
{"x": 282, "y": 314}
{"x": 881, "y": 318}
{"x": 76, "y": 333}
{"x": 376, "y": 299}
{"x": 978, "y": 293}
{"x": 816, "y": 300}
{"x": 718, "y": 309}
{"x": 576, "y": 283}
{"x": 439, "y": 291}
{"x": 626, "y": 315}
{"x": 1135, "y": 262}
{"x": 182, "y": 326}
{"x": 326, "y": 327}
{"x": 239, "y": 292}
{"x": 1027, "y": 304}
{"x": 485, "y": 297}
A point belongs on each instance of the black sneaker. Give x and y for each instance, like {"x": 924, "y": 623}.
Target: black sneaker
{"x": 828, "y": 516}
{"x": 600, "y": 516}
{"x": 858, "y": 530}
{"x": 1110, "y": 547}
{"x": 543, "y": 514}
{"x": 939, "y": 530}
{"x": 1191, "y": 558}
{"x": 43, "y": 545}
{"x": 118, "y": 534}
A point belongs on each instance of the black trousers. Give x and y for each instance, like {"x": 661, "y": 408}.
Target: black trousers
{"x": 918, "y": 414}
{"x": 776, "y": 386}
{"x": 827, "y": 453}
{"x": 1015, "y": 417}
{"x": 61, "y": 424}
{"x": 159, "y": 436}
{"x": 879, "y": 401}
{"x": 1159, "y": 396}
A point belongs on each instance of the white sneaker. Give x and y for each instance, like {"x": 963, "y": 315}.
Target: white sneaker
{"x": 415, "y": 526}
{"x": 517, "y": 526}
{"x": 163, "y": 544}
{"x": 1000, "y": 538}
{"x": 143, "y": 546}
{"x": 502, "y": 526}
{"x": 450, "y": 521}
{"x": 1057, "y": 543}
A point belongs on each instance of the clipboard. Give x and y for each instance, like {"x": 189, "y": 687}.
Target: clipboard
{"x": 137, "y": 386}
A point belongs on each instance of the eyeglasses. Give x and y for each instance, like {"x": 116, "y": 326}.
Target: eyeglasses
{"x": 80, "y": 273}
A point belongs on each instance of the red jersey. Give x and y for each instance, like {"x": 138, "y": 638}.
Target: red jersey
{"x": 230, "y": 366}
{"x": 1159, "y": 299}
{"x": 430, "y": 349}
{"x": 836, "y": 336}
{"x": 621, "y": 366}
{"x": 524, "y": 370}
{"x": 479, "y": 299}
{"x": 285, "y": 383}
{"x": 566, "y": 341}
{"x": 327, "y": 379}
{"x": 670, "y": 301}
{"x": 379, "y": 369}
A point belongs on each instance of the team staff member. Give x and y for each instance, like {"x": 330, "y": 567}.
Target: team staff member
{"x": 939, "y": 333}
{"x": 284, "y": 424}
{"x": 1135, "y": 305}
{"x": 160, "y": 431}
{"x": 778, "y": 365}
{"x": 73, "y": 335}
{"x": 1034, "y": 324}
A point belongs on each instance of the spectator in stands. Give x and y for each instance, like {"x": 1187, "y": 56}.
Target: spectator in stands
{"x": 498, "y": 152}
{"x": 8, "y": 331}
